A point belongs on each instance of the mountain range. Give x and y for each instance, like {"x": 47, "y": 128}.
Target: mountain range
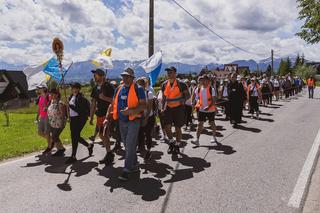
{"x": 80, "y": 71}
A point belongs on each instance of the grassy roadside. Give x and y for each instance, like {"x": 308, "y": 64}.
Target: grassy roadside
{"x": 21, "y": 136}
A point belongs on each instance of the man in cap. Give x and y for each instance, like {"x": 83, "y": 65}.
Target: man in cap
{"x": 102, "y": 95}
{"x": 128, "y": 106}
{"x": 175, "y": 93}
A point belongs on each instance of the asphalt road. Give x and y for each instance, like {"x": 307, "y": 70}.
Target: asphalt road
{"x": 254, "y": 170}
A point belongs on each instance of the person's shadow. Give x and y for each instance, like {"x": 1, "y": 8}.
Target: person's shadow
{"x": 149, "y": 189}
{"x": 222, "y": 149}
{"x": 249, "y": 129}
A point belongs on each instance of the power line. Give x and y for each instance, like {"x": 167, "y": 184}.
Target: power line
{"x": 212, "y": 31}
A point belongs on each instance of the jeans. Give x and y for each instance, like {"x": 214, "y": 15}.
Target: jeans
{"x": 311, "y": 91}
{"x": 129, "y": 134}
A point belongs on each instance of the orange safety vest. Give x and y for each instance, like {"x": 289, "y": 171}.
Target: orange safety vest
{"x": 132, "y": 102}
{"x": 173, "y": 95}
{"x": 210, "y": 100}
{"x": 310, "y": 82}
{"x": 249, "y": 89}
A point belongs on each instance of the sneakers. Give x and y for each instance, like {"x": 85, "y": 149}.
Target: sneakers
{"x": 214, "y": 140}
{"x": 170, "y": 149}
{"x": 90, "y": 149}
{"x": 71, "y": 160}
{"x": 92, "y": 138}
{"x": 108, "y": 159}
{"x": 59, "y": 153}
{"x": 176, "y": 150}
{"x": 196, "y": 142}
{"x": 116, "y": 147}
{"x": 124, "y": 176}
{"x": 47, "y": 151}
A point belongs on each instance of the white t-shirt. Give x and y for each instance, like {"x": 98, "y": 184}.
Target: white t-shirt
{"x": 149, "y": 96}
{"x": 254, "y": 91}
{"x": 276, "y": 83}
{"x": 225, "y": 91}
{"x": 73, "y": 103}
{"x": 205, "y": 98}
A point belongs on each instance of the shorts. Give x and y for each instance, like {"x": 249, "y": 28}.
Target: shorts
{"x": 43, "y": 126}
{"x": 99, "y": 125}
{"x": 204, "y": 116}
{"x": 175, "y": 116}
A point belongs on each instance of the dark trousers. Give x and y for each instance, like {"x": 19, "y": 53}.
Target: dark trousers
{"x": 76, "y": 126}
{"x": 145, "y": 133}
{"x": 254, "y": 106}
{"x": 226, "y": 105}
{"x": 188, "y": 114}
{"x": 311, "y": 91}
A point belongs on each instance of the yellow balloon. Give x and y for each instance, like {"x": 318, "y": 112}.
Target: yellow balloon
{"x": 48, "y": 77}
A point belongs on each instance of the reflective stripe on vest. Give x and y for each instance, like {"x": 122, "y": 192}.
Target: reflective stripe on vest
{"x": 132, "y": 102}
{"x": 210, "y": 101}
{"x": 173, "y": 95}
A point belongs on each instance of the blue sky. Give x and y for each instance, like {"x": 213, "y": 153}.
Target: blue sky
{"x": 87, "y": 27}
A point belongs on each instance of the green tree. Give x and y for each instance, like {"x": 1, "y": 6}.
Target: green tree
{"x": 289, "y": 66}
{"x": 283, "y": 68}
{"x": 298, "y": 61}
{"x": 309, "y": 13}
{"x": 302, "y": 60}
{"x": 305, "y": 71}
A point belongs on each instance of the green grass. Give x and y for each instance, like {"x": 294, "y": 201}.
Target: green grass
{"x": 21, "y": 136}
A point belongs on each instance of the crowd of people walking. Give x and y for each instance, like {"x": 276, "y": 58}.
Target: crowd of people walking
{"x": 128, "y": 112}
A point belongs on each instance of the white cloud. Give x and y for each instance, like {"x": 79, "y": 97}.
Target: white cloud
{"x": 87, "y": 27}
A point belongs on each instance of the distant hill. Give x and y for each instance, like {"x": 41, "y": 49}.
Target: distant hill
{"x": 81, "y": 71}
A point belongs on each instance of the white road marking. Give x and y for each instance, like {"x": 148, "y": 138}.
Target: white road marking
{"x": 301, "y": 188}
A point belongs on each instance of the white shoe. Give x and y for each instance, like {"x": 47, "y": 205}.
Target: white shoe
{"x": 214, "y": 140}
{"x": 196, "y": 142}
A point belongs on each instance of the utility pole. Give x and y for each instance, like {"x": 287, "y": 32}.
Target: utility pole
{"x": 151, "y": 28}
{"x": 272, "y": 62}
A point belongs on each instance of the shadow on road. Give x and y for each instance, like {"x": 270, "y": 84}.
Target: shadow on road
{"x": 222, "y": 149}
{"x": 249, "y": 129}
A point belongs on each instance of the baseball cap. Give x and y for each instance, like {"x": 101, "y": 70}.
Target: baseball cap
{"x": 128, "y": 72}
{"x": 76, "y": 85}
{"x": 99, "y": 72}
{"x": 172, "y": 68}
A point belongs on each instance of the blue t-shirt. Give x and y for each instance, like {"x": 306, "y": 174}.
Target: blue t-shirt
{"x": 123, "y": 103}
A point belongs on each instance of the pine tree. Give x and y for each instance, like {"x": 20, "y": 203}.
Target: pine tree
{"x": 288, "y": 66}
{"x": 297, "y": 62}
{"x": 282, "y": 68}
{"x": 269, "y": 71}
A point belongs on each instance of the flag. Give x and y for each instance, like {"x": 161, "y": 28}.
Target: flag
{"x": 52, "y": 68}
{"x": 152, "y": 66}
{"x": 104, "y": 59}
{"x": 35, "y": 76}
